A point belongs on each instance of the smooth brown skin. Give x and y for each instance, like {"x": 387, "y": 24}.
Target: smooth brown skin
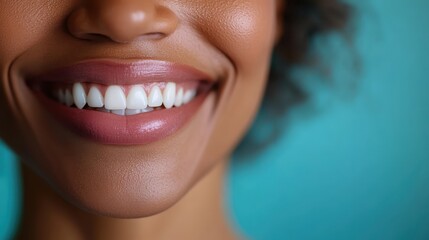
{"x": 231, "y": 40}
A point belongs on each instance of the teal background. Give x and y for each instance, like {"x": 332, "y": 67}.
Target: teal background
{"x": 357, "y": 167}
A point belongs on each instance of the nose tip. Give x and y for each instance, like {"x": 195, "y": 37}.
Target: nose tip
{"x": 121, "y": 21}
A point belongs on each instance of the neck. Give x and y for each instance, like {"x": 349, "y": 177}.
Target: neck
{"x": 198, "y": 215}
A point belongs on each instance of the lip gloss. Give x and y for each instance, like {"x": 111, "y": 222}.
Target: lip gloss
{"x": 107, "y": 128}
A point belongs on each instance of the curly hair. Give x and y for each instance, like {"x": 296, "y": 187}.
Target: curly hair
{"x": 303, "y": 21}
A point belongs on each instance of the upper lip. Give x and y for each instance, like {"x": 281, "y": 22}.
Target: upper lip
{"x": 116, "y": 72}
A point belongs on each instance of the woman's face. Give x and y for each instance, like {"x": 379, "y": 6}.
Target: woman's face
{"x": 65, "y": 63}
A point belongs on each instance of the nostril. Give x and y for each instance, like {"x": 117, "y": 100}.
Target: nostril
{"x": 153, "y": 36}
{"x": 95, "y": 37}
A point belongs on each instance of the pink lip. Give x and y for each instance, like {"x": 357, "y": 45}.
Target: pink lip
{"x": 107, "y": 128}
{"x": 110, "y": 72}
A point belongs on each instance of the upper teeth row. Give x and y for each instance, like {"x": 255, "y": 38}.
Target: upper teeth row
{"x": 115, "y": 98}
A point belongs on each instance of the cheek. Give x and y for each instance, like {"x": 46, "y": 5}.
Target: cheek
{"x": 244, "y": 31}
{"x": 23, "y": 24}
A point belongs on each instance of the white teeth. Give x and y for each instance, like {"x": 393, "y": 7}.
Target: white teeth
{"x": 132, "y": 111}
{"x": 68, "y": 98}
{"x": 155, "y": 97}
{"x": 189, "y": 95}
{"x": 119, "y": 112}
{"x": 79, "y": 95}
{"x": 179, "y": 98}
{"x": 114, "y": 99}
{"x": 137, "y": 98}
{"x": 169, "y": 95}
{"x": 95, "y": 98}
{"x": 149, "y": 109}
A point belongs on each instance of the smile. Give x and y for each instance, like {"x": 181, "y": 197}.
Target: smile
{"x": 123, "y": 103}
{"x": 121, "y": 99}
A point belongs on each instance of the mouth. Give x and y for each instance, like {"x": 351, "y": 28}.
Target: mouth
{"x": 122, "y": 103}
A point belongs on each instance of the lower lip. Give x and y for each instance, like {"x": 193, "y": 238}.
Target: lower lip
{"x": 108, "y": 128}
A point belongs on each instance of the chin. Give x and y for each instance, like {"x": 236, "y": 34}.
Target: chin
{"x": 131, "y": 191}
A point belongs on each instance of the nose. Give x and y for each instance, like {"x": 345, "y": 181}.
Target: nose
{"x": 121, "y": 21}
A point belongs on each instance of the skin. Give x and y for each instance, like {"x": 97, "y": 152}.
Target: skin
{"x": 72, "y": 184}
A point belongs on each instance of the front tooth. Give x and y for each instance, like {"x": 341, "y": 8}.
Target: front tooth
{"x": 148, "y": 109}
{"x": 114, "y": 99}
{"x": 189, "y": 95}
{"x": 68, "y": 98}
{"x": 169, "y": 95}
{"x": 132, "y": 111}
{"x": 137, "y": 98}
{"x": 179, "y": 98}
{"x": 79, "y": 95}
{"x": 119, "y": 112}
{"x": 155, "y": 97}
{"x": 95, "y": 98}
